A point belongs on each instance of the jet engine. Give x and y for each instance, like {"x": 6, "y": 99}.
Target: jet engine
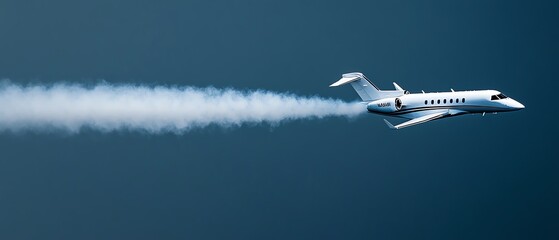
{"x": 386, "y": 105}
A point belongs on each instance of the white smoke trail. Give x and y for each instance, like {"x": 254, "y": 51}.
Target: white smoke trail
{"x": 153, "y": 109}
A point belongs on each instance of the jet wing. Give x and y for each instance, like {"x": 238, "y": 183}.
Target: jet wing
{"x": 415, "y": 121}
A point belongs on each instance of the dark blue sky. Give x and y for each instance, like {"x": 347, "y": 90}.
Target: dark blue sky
{"x": 472, "y": 177}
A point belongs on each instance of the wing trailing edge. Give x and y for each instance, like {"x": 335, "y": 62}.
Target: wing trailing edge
{"x": 419, "y": 120}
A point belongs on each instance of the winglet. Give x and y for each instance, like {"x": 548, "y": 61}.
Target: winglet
{"x": 389, "y": 124}
{"x": 397, "y": 86}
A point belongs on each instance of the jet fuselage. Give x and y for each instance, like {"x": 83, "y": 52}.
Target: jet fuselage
{"x": 425, "y": 107}
{"x": 460, "y": 102}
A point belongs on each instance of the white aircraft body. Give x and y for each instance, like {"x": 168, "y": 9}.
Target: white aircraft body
{"x": 424, "y": 107}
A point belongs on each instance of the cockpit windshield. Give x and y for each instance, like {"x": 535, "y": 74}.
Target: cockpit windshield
{"x": 498, "y": 96}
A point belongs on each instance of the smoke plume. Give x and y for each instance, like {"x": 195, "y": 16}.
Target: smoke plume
{"x": 107, "y": 107}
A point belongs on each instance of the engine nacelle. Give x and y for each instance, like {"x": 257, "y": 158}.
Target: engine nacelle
{"x": 386, "y": 105}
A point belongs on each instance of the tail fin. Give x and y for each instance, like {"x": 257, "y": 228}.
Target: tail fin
{"x": 365, "y": 88}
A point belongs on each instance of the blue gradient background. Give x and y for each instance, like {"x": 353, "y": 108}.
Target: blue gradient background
{"x": 471, "y": 177}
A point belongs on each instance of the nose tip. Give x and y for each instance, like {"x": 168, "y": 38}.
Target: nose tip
{"x": 517, "y": 105}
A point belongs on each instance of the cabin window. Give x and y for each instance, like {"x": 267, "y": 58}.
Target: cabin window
{"x": 439, "y": 101}
{"x": 463, "y": 100}
{"x": 457, "y": 101}
{"x": 451, "y": 100}
{"x": 432, "y": 101}
{"x": 444, "y": 101}
{"x": 425, "y": 102}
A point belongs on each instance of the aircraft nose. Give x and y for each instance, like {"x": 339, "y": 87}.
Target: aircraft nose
{"x": 516, "y": 105}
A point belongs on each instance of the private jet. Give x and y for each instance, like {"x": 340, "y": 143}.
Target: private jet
{"x": 424, "y": 107}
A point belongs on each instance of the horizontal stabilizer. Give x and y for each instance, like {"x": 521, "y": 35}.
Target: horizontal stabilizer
{"x": 365, "y": 88}
{"x": 344, "y": 80}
